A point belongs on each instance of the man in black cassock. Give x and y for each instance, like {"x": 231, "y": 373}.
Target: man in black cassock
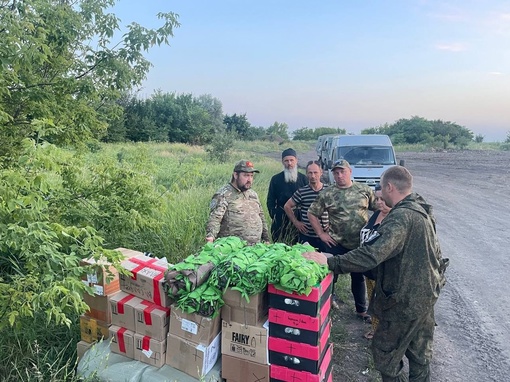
{"x": 281, "y": 188}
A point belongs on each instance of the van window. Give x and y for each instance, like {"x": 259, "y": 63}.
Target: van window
{"x": 360, "y": 155}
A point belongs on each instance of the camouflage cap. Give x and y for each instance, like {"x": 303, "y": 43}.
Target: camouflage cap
{"x": 341, "y": 163}
{"x": 244, "y": 166}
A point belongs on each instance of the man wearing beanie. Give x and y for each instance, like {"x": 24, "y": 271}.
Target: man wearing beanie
{"x": 281, "y": 188}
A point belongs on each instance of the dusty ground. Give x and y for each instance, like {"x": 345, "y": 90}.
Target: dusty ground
{"x": 469, "y": 191}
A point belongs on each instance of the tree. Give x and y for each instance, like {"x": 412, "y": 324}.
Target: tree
{"x": 307, "y": 134}
{"x": 56, "y": 85}
{"x": 237, "y": 124}
{"x": 279, "y": 129}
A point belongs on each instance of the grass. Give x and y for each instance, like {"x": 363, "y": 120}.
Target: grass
{"x": 186, "y": 179}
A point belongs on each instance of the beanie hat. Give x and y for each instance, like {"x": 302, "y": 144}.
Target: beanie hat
{"x": 289, "y": 152}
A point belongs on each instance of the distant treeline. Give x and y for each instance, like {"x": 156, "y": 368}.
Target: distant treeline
{"x": 184, "y": 118}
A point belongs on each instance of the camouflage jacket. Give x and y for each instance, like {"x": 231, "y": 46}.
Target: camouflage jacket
{"x": 347, "y": 210}
{"x": 237, "y": 213}
{"x": 407, "y": 259}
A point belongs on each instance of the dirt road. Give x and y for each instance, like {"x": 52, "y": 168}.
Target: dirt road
{"x": 469, "y": 191}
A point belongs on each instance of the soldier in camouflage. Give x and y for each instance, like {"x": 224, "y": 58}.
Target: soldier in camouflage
{"x": 235, "y": 209}
{"x": 409, "y": 273}
{"x": 347, "y": 204}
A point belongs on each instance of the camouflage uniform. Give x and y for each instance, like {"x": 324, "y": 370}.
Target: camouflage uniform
{"x": 347, "y": 209}
{"x": 237, "y": 213}
{"x": 409, "y": 275}
{"x": 348, "y": 212}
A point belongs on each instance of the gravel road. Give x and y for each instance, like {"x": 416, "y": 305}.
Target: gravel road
{"x": 469, "y": 191}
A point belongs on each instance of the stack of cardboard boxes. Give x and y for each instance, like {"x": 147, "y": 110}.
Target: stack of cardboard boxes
{"x": 299, "y": 331}
{"x": 244, "y": 337}
{"x": 140, "y": 312}
{"x": 193, "y": 342}
{"x": 95, "y": 323}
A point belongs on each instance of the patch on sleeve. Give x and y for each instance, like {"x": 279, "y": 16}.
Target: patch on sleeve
{"x": 372, "y": 238}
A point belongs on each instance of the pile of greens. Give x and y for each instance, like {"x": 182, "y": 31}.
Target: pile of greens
{"x": 247, "y": 269}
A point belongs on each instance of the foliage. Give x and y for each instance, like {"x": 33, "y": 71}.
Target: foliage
{"x": 220, "y": 149}
{"x": 170, "y": 117}
{"x": 54, "y": 83}
{"x": 306, "y": 134}
{"x": 479, "y": 138}
{"x": 237, "y": 124}
{"x": 279, "y": 130}
{"x": 416, "y": 130}
{"x": 507, "y": 140}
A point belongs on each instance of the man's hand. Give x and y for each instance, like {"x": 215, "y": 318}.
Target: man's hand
{"x": 209, "y": 239}
{"x": 318, "y": 257}
{"x": 326, "y": 238}
{"x": 301, "y": 227}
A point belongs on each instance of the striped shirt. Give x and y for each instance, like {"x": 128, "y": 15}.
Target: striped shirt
{"x": 303, "y": 198}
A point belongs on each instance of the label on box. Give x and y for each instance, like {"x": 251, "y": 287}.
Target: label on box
{"x": 189, "y": 326}
{"x": 92, "y": 278}
{"x": 147, "y": 353}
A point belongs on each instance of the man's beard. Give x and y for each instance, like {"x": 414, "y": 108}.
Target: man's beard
{"x": 290, "y": 175}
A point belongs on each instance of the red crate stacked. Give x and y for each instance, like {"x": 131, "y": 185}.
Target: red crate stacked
{"x": 299, "y": 334}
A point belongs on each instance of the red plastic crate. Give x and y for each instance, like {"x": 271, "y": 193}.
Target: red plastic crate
{"x": 300, "y": 303}
{"x": 285, "y": 374}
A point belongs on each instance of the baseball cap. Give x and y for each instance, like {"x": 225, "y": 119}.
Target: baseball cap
{"x": 244, "y": 166}
{"x": 341, "y": 163}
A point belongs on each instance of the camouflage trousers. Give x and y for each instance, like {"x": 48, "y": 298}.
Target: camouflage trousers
{"x": 395, "y": 339}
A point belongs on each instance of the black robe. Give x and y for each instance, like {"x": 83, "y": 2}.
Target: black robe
{"x": 282, "y": 230}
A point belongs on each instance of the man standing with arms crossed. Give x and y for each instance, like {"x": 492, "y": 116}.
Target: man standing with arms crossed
{"x": 409, "y": 273}
{"x": 302, "y": 199}
{"x": 347, "y": 204}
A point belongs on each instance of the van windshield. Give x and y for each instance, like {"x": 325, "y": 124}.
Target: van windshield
{"x": 360, "y": 155}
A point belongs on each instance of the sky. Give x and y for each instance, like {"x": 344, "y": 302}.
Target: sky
{"x": 333, "y": 63}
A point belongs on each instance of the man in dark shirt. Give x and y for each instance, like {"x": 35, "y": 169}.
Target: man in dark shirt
{"x": 281, "y": 188}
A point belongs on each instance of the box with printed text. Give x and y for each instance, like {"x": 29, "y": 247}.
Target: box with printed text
{"x": 245, "y": 341}
{"x": 147, "y": 280}
{"x": 193, "y": 326}
{"x": 92, "y": 330}
{"x": 235, "y": 369}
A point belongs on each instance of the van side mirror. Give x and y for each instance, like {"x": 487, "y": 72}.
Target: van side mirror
{"x": 402, "y": 162}
{"x": 330, "y": 163}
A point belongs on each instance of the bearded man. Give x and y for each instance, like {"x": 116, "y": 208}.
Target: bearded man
{"x": 235, "y": 209}
{"x": 281, "y": 188}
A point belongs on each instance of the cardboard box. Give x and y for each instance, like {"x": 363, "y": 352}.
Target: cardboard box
{"x": 147, "y": 281}
{"x": 245, "y": 341}
{"x": 150, "y": 351}
{"x": 193, "y": 359}
{"x": 297, "y": 333}
{"x": 82, "y": 347}
{"x": 122, "y": 306}
{"x": 92, "y": 330}
{"x": 99, "y": 307}
{"x": 300, "y": 303}
{"x": 152, "y": 320}
{"x": 123, "y": 341}
{"x": 237, "y": 309}
{"x": 240, "y": 370}
{"x": 285, "y": 374}
{"x": 194, "y": 327}
{"x": 298, "y": 356}
{"x": 104, "y": 278}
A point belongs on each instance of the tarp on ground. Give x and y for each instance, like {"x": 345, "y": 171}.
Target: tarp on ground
{"x": 101, "y": 363}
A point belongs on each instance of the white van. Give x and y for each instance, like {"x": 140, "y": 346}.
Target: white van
{"x": 368, "y": 155}
{"x": 323, "y": 148}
